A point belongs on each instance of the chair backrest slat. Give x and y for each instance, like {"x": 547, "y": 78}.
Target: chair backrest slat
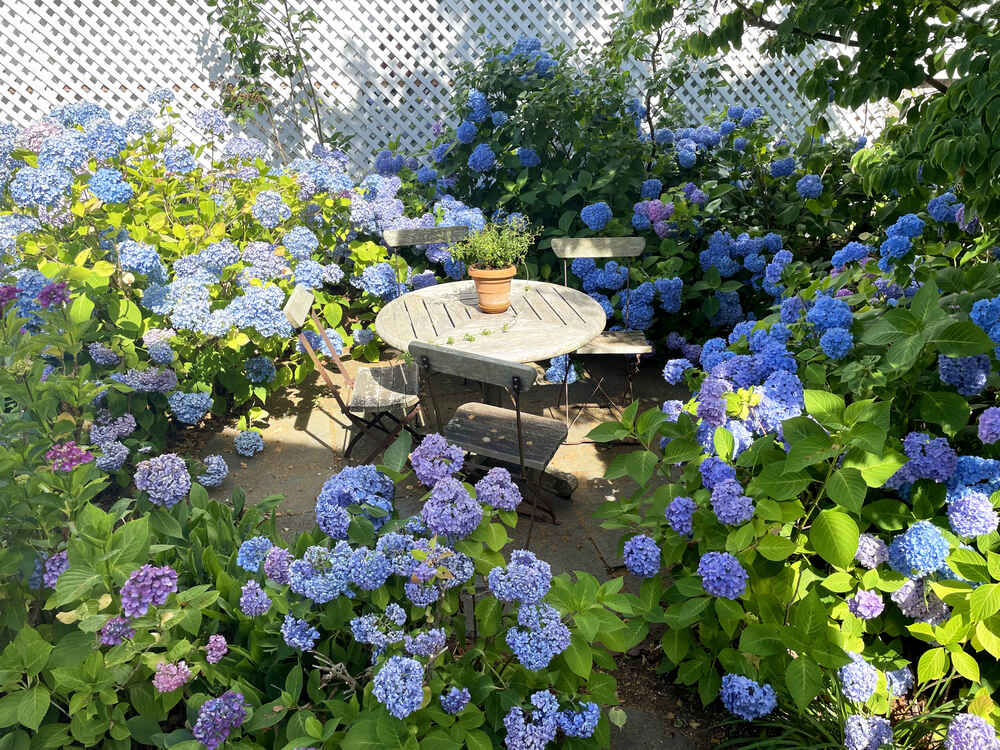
{"x": 598, "y": 247}
{"x": 451, "y": 361}
{"x": 424, "y": 236}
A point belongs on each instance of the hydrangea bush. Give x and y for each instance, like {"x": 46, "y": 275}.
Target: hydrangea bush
{"x": 816, "y": 529}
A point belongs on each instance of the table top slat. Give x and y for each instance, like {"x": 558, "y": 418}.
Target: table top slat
{"x": 544, "y": 320}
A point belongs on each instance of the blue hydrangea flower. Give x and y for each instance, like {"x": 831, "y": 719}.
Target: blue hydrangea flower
{"x": 369, "y": 568}
{"x": 858, "y": 679}
{"x": 642, "y": 556}
{"x": 528, "y": 157}
{"x": 830, "y": 312}
{"x": 722, "y": 575}
{"x": 967, "y": 375}
{"x": 561, "y": 369}
{"x": 943, "y": 208}
{"x": 989, "y": 425}
{"x": 810, "y": 186}
{"x": 216, "y": 470}
{"x": 360, "y": 485}
{"x": 478, "y": 106}
{"x": 435, "y": 458}
{"x": 579, "y": 723}
{"x": 300, "y": 242}
{"x": 535, "y": 728}
{"x": 270, "y": 209}
{"x": 783, "y": 167}
{"x": 729, "y": 503}
{"x": 178, "y": 159}
{"x": 399, "y": 685}
{"x": 189, "y": 408}
{"x": 499, "y": 118}
{"x": 596, "y": 215}
{"x": 899, "y": 681}
{"x": 679, "y": 514}
{"x": 426, "y": 175}
{"x": 651, "y": 188}
{"x": 972, "y": 515}
{"x": 674, "y": 370}
{"x": 249, "y": 443}
{"x": 298, "y": 634}
{"x": 252, "y": 552}
{"x": 454, "y": 700}
{"x": 260, "y": 369}
{"x": 866, "y": 732}
{"x": 970, "y": 732}
{"x": 450, "y": 511}
{"x": 482, "y": 158}
{"x": 39, "y": 187}
{"x": 919, "y": 551}
{"x": 109, "y": 186}
{"x": 525, "y": 578}
{"x": 465, "y": 132}
{"x": 836, "y": 343}
{"x": 746, "y": 698}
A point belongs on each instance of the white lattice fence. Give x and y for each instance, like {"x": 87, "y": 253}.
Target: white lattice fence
{"x": 379, "y": 65}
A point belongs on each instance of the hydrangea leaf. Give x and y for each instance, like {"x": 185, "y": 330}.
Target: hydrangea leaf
{"x": 834, "y": 535}
{"x": 804, "y": 680}
{"x": 949, "y": 410}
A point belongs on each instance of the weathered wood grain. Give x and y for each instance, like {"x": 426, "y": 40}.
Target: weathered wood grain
{"x": 617, "y": 342}
{"x": 598, "y": 247}
{"x": 425, "y": 236}
{"x": 492, "y": 432}
{"x": 452, "y": 361}
{"x": 543, "y": 321}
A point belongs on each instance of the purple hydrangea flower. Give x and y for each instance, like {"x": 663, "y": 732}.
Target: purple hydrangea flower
{"x": 114, "y": 631}
{"x": 989, "y": 425}
{"x": 972, "y": 515}
{"x": 67, "y": 456}
{"x": 871, "y": 551}
{"x": 54, "y": 567}
{"x": 866, "y": 604}
{"x": 215, "y": 649}
{"x": 679, "y": 514}
{"x": 970, "y": 732}
{"x": 165, "y": 479}
{"x": 253, "y": 601}
{"x": 147, "y": 586}
{"x": 435, "y": 458}
{"x": 169, "y": 676}
{"x": 298, "y": 634}
{"x": 535, "y": 728}
{"x": 498, "y": 490}
{"x": 866, "y": 732}
{"x": 858, "y": 679}
{"x": 450, "y": 510}
{"x": 731, "y": 506}
{"x": 276, "y": 565}
{"x": 399, "y": 686}
{"x": 217, "y": 717}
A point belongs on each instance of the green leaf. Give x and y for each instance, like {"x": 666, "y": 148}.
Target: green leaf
{"x": 963, "y": 339}
{"x": 847, "y": 488}
{"x": 809, "y": 618}
{"x": 839, "y": 582}
{"x": 775, "y": 547}
{"x": 640, "y": 466}
{"x": 724, "y": 442}
{"x": 579, "y": 658}
{"x": 949, "y": 410}
{"x": 609, "y": 432}
{"x": 776, "y": 484}
{"x": 34, "y": 704}
{"x": 984, "y": 602}
{"x": 477, "y": 740}
{"x": 730, "y": 614}
{"x": 834, "y": 536}
{"x": 965, "y": 665}
{"x": 74, "y": 584}
{"x": 932, "y": 664}
{"x": 81, "y": 310}
{"x": 875, "y": 470}
{"x": 676, "y": 643}
{"x": 397, "y": 454}
{"x": 828, "y": 408}
{"x": 808, "y": 452}
{"x": 762, "y": 640}
{"x": 804, "y": 680}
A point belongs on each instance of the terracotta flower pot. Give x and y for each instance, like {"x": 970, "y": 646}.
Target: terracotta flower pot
{"x": 493, "y": 287}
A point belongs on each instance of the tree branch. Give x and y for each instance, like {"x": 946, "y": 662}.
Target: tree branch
{"x": 819, "y": 36}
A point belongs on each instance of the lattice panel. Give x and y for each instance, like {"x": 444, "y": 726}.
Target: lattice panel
{"x": 379, "y": 65}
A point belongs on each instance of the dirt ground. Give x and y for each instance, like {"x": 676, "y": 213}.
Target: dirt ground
{"x": 304, "y": 440}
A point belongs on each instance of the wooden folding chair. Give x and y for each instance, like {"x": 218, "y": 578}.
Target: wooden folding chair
{"x": 631, "y": 344}
{"x": 376, "y": 390}
{"x": 491, "y": 431}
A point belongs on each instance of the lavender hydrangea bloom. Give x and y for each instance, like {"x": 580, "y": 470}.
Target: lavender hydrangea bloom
{"x": 915, "y": 600}
{"x": 147, "y": 586}
{"x": 215, "y": 649}
{"x": 322, "y": 574}
{"x": 866, "y": 732}
{"x": 871, "y": 551}
{"x": 970, "y": 732}
{"x": 989, "y": 425}
{"x": 170, "y": 677}
{"x": 113, "y": 455}
{"x": 164, "y": 478}
{"x": 217, "y": 717}
{"x": 399, "y": 686}
{"x": 722, "y": 575}
{"x": 54, "y": 567}
{"x": 972, "y": 515}
{"x": 189, "y": 408}
{"x": 276, "y": 565}
{"x": 642, "y": 556}
{"x": 679, "y": 514}
{"x": 435, "y": 458}
{"x": 426, "y": 644}
{"x": 450, "y": 510}
{"x": 456, "y": 699}
{"x": 360, "y": 485}
{"x": 715, "y": 471}
{"x": 498, "y": 490}
{"x": 866, "y": 604}
{"x": 253, "y": 601}
{"x": 858, "y": 679}
{"x": 369, "y": 568}
{"x": 581, "y": 723}
{"x": 746, "y": 698}
{"x": 114, "y": 631}
{"x": 899, "y": 681}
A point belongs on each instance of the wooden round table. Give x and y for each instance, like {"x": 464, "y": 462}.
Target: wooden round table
{"x": 544, "y": 320}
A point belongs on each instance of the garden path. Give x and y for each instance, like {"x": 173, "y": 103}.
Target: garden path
{"x": 297, "y": 459}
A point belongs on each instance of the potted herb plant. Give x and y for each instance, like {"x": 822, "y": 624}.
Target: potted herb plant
{"x": 491, "y": 256}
